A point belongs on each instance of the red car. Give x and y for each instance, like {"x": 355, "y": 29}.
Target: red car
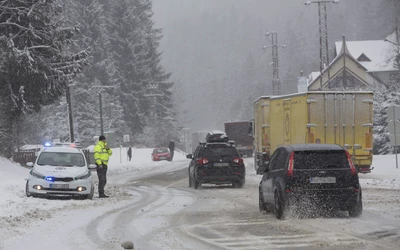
{"x": 160, "y": 154}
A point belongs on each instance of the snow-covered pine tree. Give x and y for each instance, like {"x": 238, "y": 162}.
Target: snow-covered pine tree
{"x": 144, "y": 87}
{"x": 35, "y": 67}
{"x": 91, "y": 18}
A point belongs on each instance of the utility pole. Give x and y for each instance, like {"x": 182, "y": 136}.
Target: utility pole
{"x": 101, "y": 106}
{"x": 70, "y": 118}
{"x": 323, "y": 36}
{"x": 276, "y": 82}
{"x": 101, "y": 115}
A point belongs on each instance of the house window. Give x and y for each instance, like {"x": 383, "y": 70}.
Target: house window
{"x": 345, "y": 80}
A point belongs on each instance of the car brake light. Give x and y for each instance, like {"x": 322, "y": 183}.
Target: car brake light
{"x": 238, "y": 160}
{"x": 290, "y": 167}
{"x": 202, "y": 161}
{"x": 353, "y": 170}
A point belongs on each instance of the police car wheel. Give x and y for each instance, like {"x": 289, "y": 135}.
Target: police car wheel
{"x": 28, "y": 194}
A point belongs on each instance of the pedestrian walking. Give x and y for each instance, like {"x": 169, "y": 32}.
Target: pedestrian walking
{"x": 171, "y": 146}
{"x": 101, "y": 155}
{"x": 129, "y": 153}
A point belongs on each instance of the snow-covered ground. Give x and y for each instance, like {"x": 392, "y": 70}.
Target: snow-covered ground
{"x": 17, "y": 212}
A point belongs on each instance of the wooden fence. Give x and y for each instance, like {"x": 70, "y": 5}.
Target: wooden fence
{"x": 22, "y": 157}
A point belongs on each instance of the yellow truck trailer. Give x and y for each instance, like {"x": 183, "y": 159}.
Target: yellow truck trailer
{"x": 335, "y": 117}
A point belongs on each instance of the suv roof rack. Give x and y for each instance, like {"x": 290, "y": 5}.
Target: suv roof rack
{"x": 216, "y": 136}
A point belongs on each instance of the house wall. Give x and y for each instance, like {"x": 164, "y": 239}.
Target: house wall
{"x": 337, "y": 66}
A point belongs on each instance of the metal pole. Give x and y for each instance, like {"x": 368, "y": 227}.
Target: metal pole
{"x": 395, "y": 135}
{"x": 323, "y": 37}
{"x": 70, "y": 119}
{"x": 101, "y": 115}
{"x": 276, "y": 82}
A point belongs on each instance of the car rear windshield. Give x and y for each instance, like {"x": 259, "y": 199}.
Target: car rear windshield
{"x": 210, "y": 152}
{"x": 320, "y": 159}
{"x": 61, "y": 159}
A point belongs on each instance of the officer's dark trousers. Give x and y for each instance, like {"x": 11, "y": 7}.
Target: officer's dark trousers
{"x": 102, "y": 174}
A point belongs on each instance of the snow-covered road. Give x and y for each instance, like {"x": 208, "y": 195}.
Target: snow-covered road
{"x": 152, "y": 205}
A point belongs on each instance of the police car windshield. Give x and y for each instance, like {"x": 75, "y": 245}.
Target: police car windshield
{"x": 61, "y": 159}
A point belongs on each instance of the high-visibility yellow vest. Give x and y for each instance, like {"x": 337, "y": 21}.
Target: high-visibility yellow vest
{"x": 101, "y": 154}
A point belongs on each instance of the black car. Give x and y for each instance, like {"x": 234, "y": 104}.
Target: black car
{"x": 319, "y": 174}
{"x": 216, "y": 163}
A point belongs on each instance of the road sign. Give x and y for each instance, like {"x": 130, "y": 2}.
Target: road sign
{"x": 126, "y": 138}
{"x": 393, "y": 113}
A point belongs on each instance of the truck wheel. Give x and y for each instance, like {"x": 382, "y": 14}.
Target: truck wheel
{"x": 190, "y": 181}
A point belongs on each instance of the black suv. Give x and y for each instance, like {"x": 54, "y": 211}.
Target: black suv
{"x": 216, "y": 162}
{"x": 318, "y": 174}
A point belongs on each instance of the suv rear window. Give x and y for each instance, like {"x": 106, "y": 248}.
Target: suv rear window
{"x": 210, "y": 152}
{"x": 320, "y": 159}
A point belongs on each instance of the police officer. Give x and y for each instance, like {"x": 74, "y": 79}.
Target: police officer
{"x": 101, "y": 155}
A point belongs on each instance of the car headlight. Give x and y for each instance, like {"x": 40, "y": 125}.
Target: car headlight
{"x": 36, "y": 174}
{"x": 83, "y": 176}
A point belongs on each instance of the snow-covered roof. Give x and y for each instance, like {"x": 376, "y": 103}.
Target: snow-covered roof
{"x": 32, "y": 147}
{"x": 312, "y": 77}
{"x": 380, "y": 52}
{"x": 62, "y": 149}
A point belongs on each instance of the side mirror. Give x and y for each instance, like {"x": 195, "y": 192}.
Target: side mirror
{"x": 29, "y": 164}
{"x": 92, "y": 166}
{"x": 189, "y": 156}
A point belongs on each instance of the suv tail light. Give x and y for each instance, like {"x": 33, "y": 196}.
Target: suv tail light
{"x": 291, "y": 162}
{"x": 238, "y": 160}
{"x": 353, "y": 170}
{"x": 202, "y": 161}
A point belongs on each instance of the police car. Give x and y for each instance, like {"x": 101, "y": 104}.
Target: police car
{"x": 60, "y": 171}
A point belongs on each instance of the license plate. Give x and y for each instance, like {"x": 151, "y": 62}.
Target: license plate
{"x": 323, "y": 180}
{"x": 221, "y": 164}
{"x": 59, "y": 186}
